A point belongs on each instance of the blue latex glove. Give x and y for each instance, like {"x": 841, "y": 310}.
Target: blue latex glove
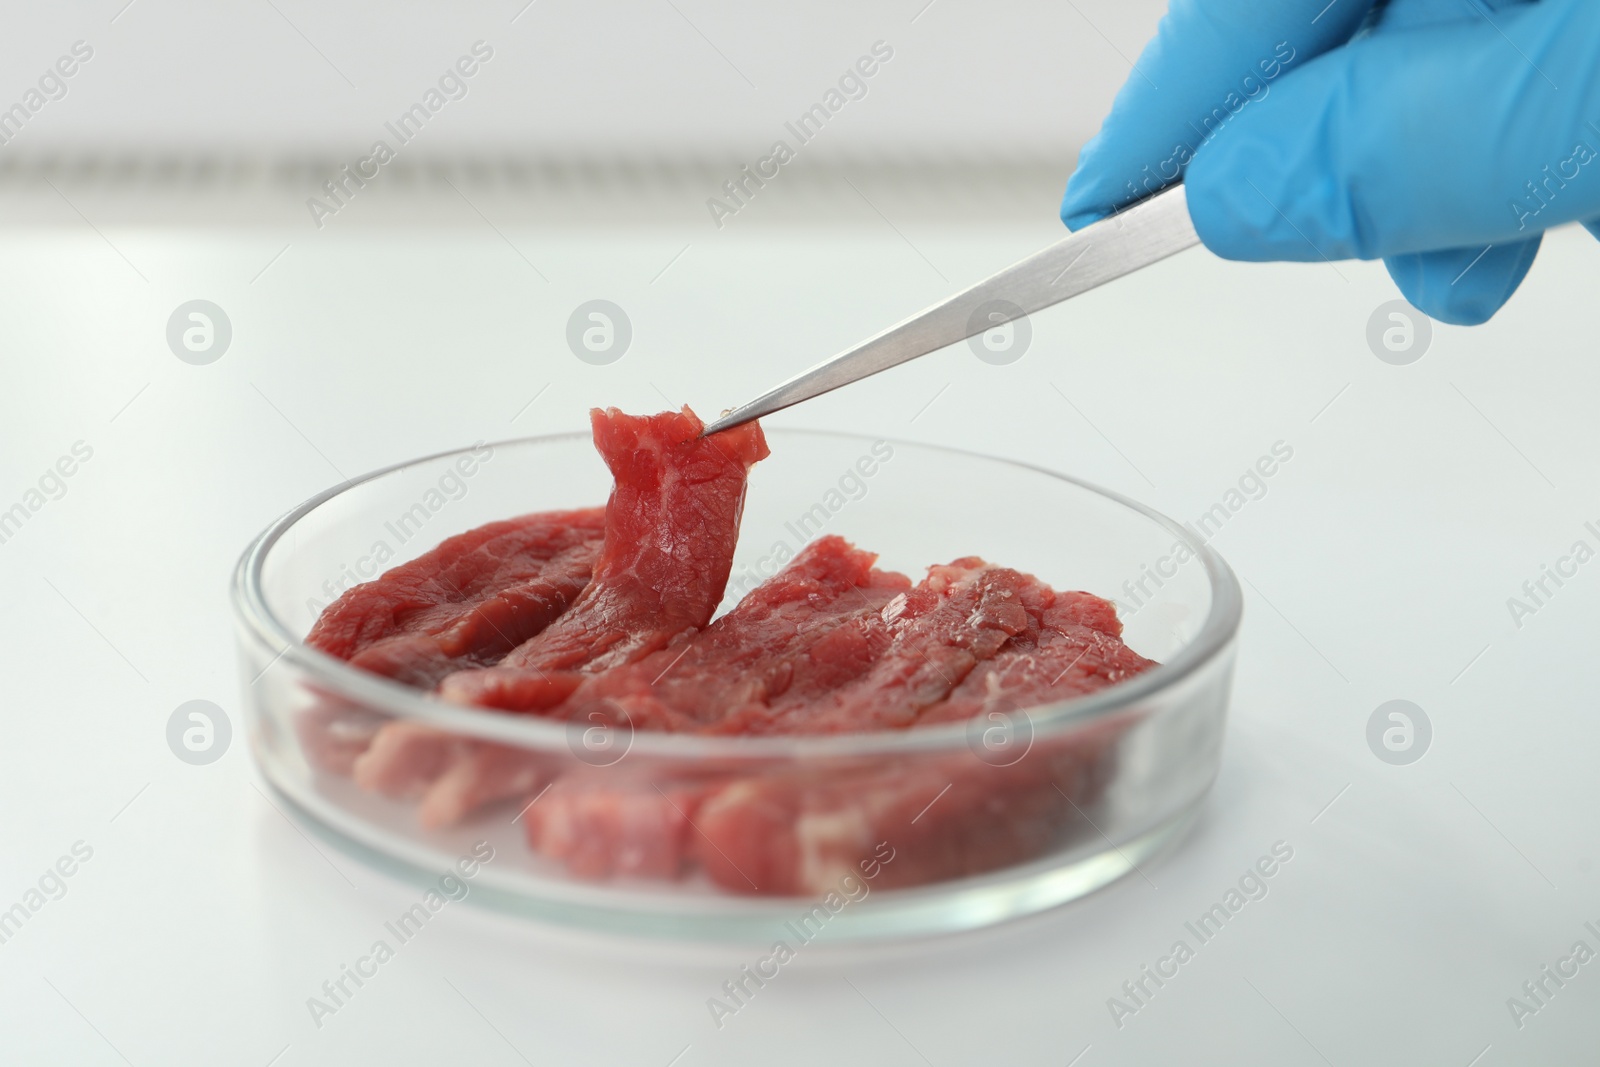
{"x": 1421, "y": 131}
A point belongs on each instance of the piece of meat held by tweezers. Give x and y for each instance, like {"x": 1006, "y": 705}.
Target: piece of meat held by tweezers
{"x": 670, "y": 528}
{"x": 671, "y": 525}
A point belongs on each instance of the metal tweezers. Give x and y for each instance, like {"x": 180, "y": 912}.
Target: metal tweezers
{"x": 1135, "y": 237}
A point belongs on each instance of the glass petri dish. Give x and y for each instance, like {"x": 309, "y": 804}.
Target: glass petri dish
{"x": 887, "y": 834}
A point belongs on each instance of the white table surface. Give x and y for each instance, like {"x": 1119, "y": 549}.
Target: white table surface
{"x": 1377, "y": 567}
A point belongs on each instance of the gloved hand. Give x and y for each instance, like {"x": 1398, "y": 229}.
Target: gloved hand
{"x": 1421, "y": 131}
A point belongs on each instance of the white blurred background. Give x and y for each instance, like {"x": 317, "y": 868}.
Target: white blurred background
{"x": 193, "y": 112}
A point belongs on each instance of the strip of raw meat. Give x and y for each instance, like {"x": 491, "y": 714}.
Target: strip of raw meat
{"x": 799, "y": 832}
{"x": 809, "y": 628}
{"x": 453, "y": 775}
{"x": 611, "y": 822}
{"x": 670, "y": 528}
{"x": 467, "y": 602}
{"x": 1076, "y": 650}
{"x": 671, "y": 525}
{"x": 960, "y": 615}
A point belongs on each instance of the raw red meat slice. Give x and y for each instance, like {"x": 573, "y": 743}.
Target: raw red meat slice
{"x": 799, "y": 832}
{"x": 670, "y": 528}
{"x": 606, "y": 822}
{"x": 467, "y": 602}
{"x": 805, "y": 630}
{"x": 959, "y": 616}
{"x": 671, "y": 525}
{"x": 786, "y": 637}
{"x": 403, "y": 759}
{"x": 1077, "y": 650}
{"x": 485, "y": 774}
{"x": 452, "y": 775}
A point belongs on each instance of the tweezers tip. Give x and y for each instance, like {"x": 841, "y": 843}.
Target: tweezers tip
{"x": 718, "y": 424}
